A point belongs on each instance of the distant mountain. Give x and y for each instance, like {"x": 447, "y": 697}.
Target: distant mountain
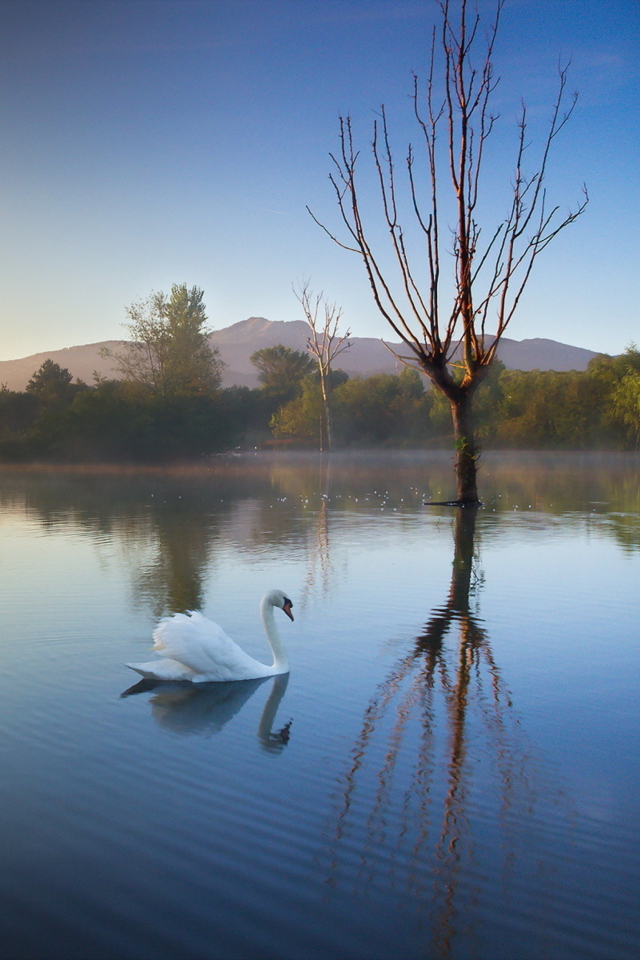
{"x": 80, "y": 361}
{"x": 540, "y": 354}
{"x": 367, "y": 355}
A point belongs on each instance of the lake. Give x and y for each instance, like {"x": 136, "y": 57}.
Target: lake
{"x": 450, "y": 770}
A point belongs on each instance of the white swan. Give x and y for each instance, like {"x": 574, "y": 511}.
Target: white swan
{"x": 197, "y": 649}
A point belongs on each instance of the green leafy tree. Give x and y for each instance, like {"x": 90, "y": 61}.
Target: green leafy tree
{"x": 118, "y": 420}
{"x": 626, "y": 403}
{"x": 544, "y": 408}
{"x": 606, "y": 373}
{"x": 17, "y": 412}
{"x": 301, "y": 418}
{"x": 170, "y": 352}
{"x": 52, "y": 383}
{"x": 282, "y": 370}
{"x": 249, "y": 412}
{"x": 382, "y": 409}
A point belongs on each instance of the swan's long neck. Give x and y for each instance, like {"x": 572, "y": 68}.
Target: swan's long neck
{"x": 280, "y": 659}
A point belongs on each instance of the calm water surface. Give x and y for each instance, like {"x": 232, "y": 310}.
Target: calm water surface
{"x": 451, "y": 770}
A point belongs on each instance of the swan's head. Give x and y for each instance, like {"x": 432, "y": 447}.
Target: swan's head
{"x": 278, "y": 599}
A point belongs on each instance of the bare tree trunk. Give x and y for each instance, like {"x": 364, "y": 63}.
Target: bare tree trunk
{"x": 325, "y": 344}
{"x": 326, "y": 438}
{"x": 467, "y": 450}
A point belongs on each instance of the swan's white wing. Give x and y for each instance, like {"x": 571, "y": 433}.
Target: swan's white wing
{"x": 203, "y": 646}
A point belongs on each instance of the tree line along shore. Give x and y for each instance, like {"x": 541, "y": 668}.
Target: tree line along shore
{"x": 177, "y": 411}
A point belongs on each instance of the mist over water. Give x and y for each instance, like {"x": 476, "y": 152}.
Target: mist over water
{"x": 450, "y": 769}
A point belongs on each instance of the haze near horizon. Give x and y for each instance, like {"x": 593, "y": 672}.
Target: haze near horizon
{"x": 147, "y": 144}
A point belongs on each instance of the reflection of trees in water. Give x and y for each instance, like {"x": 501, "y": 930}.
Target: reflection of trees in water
{"x": 204, "y": 709}
{"x": 551, "y": 482}
{"x": 625, "y": 530}
{"x": 173, "y": 579}
{"x": 556, "y": 483}
{"x": 437, "y": 737}
{"x": 166, "y": 522}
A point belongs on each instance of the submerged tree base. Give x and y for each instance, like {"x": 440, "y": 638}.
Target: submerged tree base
{"x": 452, "y": 503}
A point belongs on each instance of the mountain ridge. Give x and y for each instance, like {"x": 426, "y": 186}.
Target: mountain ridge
{"x": 236, "y": 343}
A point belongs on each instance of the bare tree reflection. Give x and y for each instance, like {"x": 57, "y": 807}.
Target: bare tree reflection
{"x": 205, "y": 708}
{"x": 319, "y": 565}
{"x": 448, "y": 707}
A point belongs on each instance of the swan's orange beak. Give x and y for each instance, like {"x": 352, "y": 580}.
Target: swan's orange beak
{"x": 287, "y": 609}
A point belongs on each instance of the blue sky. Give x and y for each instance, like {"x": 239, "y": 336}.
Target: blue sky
{"x": 151, "y": 142}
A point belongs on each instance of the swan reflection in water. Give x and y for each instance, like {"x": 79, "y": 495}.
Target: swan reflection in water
{"x": 204, "y": 709}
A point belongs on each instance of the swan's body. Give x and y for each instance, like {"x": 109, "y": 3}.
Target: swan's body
{"x": 194, "y": 648}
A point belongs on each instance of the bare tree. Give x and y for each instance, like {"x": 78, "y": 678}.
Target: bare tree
{"x": 324, "y": 343}
{"x": 449, "y": 344}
